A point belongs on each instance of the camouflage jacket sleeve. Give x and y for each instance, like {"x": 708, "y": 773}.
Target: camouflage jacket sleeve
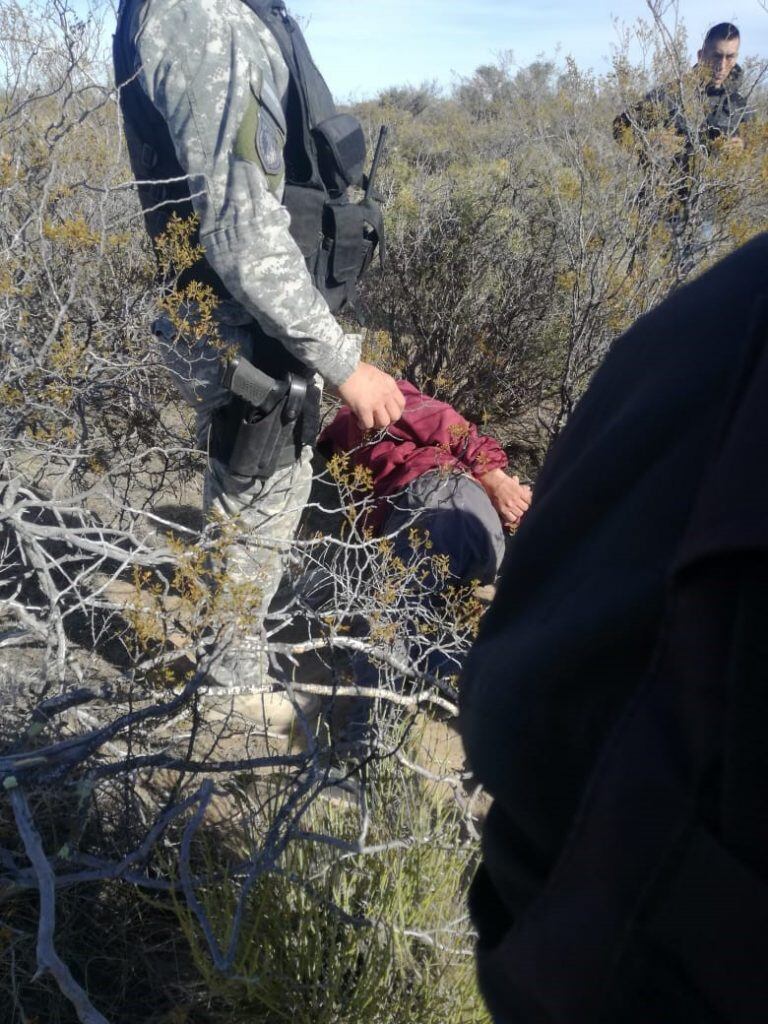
{"x": 216, "y": 75}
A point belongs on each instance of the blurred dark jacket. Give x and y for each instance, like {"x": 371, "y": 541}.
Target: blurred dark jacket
{"x": 725, "y": 108}
{"x": 615, "y": 705}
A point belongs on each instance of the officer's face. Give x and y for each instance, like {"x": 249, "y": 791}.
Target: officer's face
{"x": 720, "y": 57}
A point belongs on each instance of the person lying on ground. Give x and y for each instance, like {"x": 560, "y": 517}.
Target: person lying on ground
{"x": 434, "y": 470}
{"x": 440, "y": 489}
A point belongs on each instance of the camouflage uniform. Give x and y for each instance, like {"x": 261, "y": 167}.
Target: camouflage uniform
{"x": 216, "y": 75}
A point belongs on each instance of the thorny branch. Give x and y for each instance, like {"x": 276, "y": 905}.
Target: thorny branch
{"x": 47, "y": 957}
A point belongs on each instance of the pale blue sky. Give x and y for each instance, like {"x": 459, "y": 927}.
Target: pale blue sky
{"x": 362, "y": 46}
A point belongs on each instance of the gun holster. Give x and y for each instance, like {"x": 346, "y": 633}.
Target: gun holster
{"x": 256, "y": 441}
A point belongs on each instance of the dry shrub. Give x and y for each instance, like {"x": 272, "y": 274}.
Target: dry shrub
{"x": 140, "y": 824}
{"x": 523, "y": 237}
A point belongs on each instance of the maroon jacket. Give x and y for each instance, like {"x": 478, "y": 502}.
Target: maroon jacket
{"x": 429, "y": 435}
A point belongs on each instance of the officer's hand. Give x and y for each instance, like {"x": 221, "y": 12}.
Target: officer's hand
{"x": 373, "y": 397}
{"x": 509, "y": 497}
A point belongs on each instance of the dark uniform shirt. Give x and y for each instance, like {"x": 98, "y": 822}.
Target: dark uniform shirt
{"x": 725, "y": 110}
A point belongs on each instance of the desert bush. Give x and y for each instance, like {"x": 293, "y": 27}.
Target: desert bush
{"x": 164, "y": 856}
{"x": 373, "y": 936}
{"x": 117, "y": 764}
{"x": 523, "y": 237}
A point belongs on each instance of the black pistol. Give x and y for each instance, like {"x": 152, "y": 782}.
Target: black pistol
{"x": 251, "y": 384}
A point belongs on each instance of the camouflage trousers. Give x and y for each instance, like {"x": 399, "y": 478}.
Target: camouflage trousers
{"x": 258, "y": 517}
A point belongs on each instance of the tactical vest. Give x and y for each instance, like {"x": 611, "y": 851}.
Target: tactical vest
{"x": 324, "y": 156}
{"x": 727, "y": 107}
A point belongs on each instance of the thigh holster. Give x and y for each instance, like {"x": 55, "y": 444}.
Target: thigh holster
{"x": 257, "y": 441}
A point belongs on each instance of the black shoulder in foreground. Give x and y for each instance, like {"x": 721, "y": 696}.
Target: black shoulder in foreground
{"x": 611, "y": 705}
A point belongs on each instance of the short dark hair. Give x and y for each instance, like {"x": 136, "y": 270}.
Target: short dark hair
{"x": 721, "y": 33}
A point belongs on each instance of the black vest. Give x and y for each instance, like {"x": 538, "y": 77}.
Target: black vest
{"x": 324, "y": 156}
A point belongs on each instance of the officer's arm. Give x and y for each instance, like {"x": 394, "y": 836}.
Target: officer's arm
{"x": 210, "y": 69}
